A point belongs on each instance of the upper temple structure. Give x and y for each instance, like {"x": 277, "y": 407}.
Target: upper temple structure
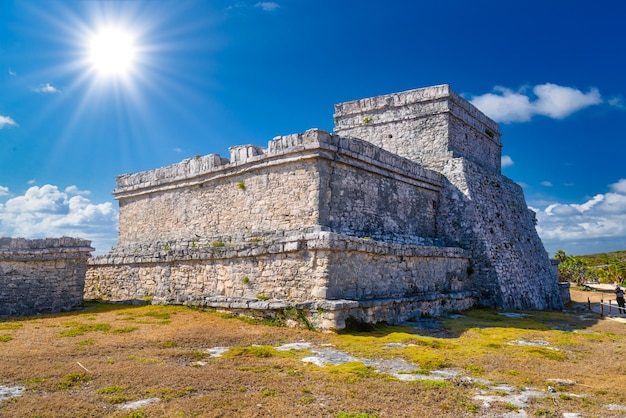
{"x": 401, "y": 212}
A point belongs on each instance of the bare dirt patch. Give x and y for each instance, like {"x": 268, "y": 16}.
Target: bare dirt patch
{"x": 163, "y": 361}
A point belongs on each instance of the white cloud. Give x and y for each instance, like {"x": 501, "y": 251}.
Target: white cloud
{"x": 48, "y": 212}
{"x": 596, "y": 225}
{"x": 546, "y": 184}
{"x": 617, "y": 101}
{"x": 619, "y": 187}
{"x": 75, "y": 190}
{"x": 551, "y": 100}
{"x": 268, "y": 6}
{"x": 4, "y": 191}
{"x": 506, "y": 161}
{"x": 46, "y": 89}
{"x": 12, "y": 73}
{"x": 178, "y": 150}
{"x": 6, "y": 121}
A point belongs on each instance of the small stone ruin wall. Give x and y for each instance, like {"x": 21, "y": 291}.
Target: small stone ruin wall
{"x": 42, "y": 275}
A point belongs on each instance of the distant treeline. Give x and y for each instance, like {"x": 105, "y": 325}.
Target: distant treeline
{"x": 602, "y": 267}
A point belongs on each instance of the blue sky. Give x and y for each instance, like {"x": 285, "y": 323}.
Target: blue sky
{"x": 207, "y": 75}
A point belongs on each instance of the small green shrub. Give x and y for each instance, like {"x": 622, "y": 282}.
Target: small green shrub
{"x": 218, "y": 244}
{"x": 262, "y": 297}
{"x": 111, "y": 389}
{"x": 245, "y": 280}
{"x": 367, "y": 119}
{"x": 73, "y": 379}
{"x": 6, "y": 338}
{"x": 118, "y": 399}
{"x": 241, "y": 185}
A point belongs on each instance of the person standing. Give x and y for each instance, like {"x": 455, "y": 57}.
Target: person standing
{"x": 619, "y": 296}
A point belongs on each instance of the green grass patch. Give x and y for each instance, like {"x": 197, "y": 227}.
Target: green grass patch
{"x": 428, "y": 383}
{"x": 167, "y": 344}
{"x": 6, "y": 338}
{"x": 73, "y": 379}
{"x": 34, "y": 381}
{"x": 547, "y": 353}
{"x": 268, "y": 392}
{"x": 76, "y": 329}
{"x": 111, "y": 389}
{"x": 116, "y": 400}
{"x": 258, "y": 351}
{"x": 10, "y": 326}
{"x": 354, "y": 371}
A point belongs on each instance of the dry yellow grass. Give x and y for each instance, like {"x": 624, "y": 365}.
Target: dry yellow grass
{"x": 92, "y": 362}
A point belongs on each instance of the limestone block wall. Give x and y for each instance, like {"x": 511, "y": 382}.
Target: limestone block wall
{"x": 42, "y": 275}
{"x": 328, "y": 275}
{"x": 487, "y": 214}
{"x": 312, "y": 181}
{"x": 428, "y": 125}
{"x": 479, "y": 209}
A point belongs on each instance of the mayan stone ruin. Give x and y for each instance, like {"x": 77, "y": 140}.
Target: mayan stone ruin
{"x": 401, "y": 212}
{"x": 42, "y": 275}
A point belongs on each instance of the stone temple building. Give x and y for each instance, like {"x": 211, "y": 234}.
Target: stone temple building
{"x": 401, "y": 212}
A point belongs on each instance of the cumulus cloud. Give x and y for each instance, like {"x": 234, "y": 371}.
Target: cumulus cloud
{"x": 268, "y": 6}
{"x": 6, "y": 121}
{"x": 47, "y": 211}
{"x": 75, "y": 190}
{"x": 546, "y": 183}
{"x": 551, "y": 100}
{"x": 4, "y": 191}
{"x": 506, "y": 161}
{"x": 46, "y": 89}
{"x": 617, "y": 101}
{"x": 596, "y": 225}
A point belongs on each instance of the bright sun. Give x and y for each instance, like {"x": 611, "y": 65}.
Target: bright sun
{"x": 112, "y": 52}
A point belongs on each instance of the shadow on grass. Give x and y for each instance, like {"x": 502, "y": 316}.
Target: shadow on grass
{"x": 89, "y": 307}
{"x": 575, "y": 316}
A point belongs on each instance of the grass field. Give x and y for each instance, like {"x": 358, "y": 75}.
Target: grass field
{"x": 167, "y": 361}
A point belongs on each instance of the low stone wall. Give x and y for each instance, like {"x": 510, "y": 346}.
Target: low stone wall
{"x": 328, "y": 276}
{"x": 42, "y": 275}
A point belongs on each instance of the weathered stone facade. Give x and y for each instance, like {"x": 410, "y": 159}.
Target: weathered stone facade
{"x": 480, "y": 210}
{"x": 42, "y": 275}
{"x": 403, "y": 212}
